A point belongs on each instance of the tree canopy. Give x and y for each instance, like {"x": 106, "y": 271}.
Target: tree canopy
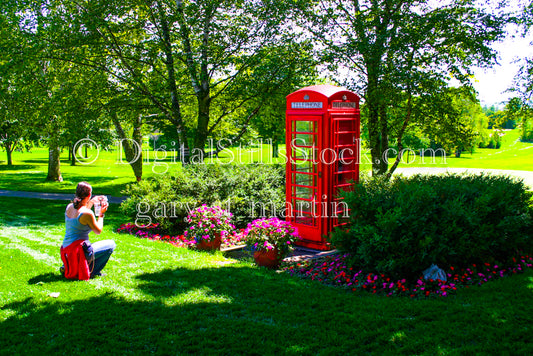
{"x": 401, "y": 49}
{"x": 214, "y": 68}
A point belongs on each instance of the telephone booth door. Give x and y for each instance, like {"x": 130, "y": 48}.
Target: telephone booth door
{"x": 322, "y": 143}
{"x": 345, "y": 168}
{"x": 305, "y": 189}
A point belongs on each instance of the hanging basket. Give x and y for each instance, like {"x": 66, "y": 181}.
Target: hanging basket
{"x": 267, "y": 258}
{"x": 210, "y": 245}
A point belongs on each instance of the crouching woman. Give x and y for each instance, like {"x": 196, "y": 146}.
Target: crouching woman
{"x": 78, "y": 261}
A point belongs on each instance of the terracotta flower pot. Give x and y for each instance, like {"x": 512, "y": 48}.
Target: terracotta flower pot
{"x": 210, "y": 245}
{"x": 267, "y": 258}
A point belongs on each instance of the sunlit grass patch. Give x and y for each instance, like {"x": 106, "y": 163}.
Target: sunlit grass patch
{"x": 157, "y": 298}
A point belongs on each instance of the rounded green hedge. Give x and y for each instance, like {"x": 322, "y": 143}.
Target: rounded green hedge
{"x": 248, "y": 191}
{"x": 401, "y": 227}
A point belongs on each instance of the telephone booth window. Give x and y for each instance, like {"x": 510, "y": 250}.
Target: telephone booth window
{"x": 345, "y": 171}
{"x": 322, "y": 140}
{"x": 346, "y": 151}
{"x": 304, "y": 170}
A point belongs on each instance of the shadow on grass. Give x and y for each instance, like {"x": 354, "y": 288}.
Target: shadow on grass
{"x": 17, "y": 167}
{"x": 246, "y": 310}
{"x": 32, "y": 211}
{"x": 21, "y": 181}
{"x": 35, "y": 182}
{"x": 48, "y": 278}
{"x": 26, "y": 211}
{"x": 39, "y": 161}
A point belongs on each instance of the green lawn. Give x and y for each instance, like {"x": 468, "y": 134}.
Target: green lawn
{"x": 108, "y": 176}
{"x": 29, "y": 171}
{"x": 513, "y": 155}
{"x": 157, "y": 298}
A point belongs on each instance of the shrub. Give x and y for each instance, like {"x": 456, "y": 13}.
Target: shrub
{"x": 403, "y": 226}
{"x": 494, "y": 141}
{"x": 168, "y": 199}
{"x": 527, "y": 131}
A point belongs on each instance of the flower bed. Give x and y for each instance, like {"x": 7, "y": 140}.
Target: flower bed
{"x": 333, "y": 270}
{"x": 154, "y": 232}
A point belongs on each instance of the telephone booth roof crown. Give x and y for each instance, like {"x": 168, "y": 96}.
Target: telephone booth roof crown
{"x": 325, "y": 89}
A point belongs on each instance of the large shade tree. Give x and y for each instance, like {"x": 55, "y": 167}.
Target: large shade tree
{"x": 198, "y": 62}
{"x": 15, "y": 113}
{"x": 453, "y": 120}
{"x": 41, "y": 97}
{"x": 16, "y": 84}
{"x": 397, "y": 50}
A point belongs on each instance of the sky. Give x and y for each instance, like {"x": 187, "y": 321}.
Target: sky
{"x": 492, "y": 83}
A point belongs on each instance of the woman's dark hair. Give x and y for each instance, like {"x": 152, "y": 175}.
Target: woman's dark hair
{"x": 83, "y": 190}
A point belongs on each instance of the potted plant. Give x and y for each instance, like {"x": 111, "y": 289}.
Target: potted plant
{"x": 208, "y": 225}
{"x": 271, "y": 239}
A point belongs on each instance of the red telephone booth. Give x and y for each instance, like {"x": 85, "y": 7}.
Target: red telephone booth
{"x": 323, "y": 152}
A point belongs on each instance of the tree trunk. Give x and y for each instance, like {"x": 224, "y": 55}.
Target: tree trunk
{"x": 72, "y": 155}
{"x": 374, "y": 128}
{"x": 132, "y": 146}
{"x": 176, "y": 117}
{"x": 137, "y": 166}
{"x": 399, "y": 138}
{"x": 203, "y": 122}
{"x": 275, "y": 149}
{"x": 384, "y": 142}
{"x": 54, "y": 165}
{"x": 9, "y": 153}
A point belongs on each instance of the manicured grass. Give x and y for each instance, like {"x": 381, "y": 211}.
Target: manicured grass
{"x": 108, "y": 176}
{"x": 109, "y": 173}
{"x": 105, "y": 174}
{"x": 157, "y": 298}
{"x": 513, "y": 155}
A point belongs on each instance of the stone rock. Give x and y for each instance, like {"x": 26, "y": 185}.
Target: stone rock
{"x": 434, "y": 272}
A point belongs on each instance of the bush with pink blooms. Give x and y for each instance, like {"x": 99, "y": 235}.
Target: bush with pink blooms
{"x": 208, "y": 222}
{"x": 271, "y": 233}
